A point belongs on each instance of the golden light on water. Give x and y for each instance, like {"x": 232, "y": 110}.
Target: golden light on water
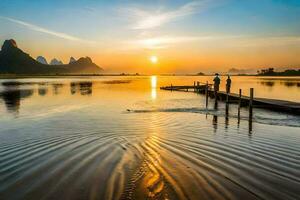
{"x": 153, "y": 93}
{"x": 153, "y": 81}
{"x": 153, "y": 87}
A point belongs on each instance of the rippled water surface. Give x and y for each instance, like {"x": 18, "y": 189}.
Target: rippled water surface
{"x": 123, "y": 138}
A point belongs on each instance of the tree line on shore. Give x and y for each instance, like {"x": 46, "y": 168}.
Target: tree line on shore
{"x": 272, "y": 72}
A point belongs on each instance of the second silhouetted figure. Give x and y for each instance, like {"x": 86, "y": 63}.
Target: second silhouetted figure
{"x": 228, "y": 84}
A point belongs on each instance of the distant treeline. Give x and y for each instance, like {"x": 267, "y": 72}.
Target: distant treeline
{"x": 271, "y": 72}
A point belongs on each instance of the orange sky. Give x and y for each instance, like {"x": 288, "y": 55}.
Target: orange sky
{"x": 209, "y": 56}
{"x": 186, "y": 36}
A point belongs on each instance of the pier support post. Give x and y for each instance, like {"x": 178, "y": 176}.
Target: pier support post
{"x": 194, "y": 86}
{"x": 206, "y": 95}
{"x": 216, "y": 104}
{"x": 251, "y": 110}
{"x": 216, "y": 97}
{"x": 239, "y": 105}
{"x": 226, "y": 115}
{"x": 251, "y": 103}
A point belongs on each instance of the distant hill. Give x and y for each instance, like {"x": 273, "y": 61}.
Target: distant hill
{"x": 42, "y": 60}
{"x": 236, "y": 71}
{"x": 72, "y": 59}
{"x": 14, "y": 61}
{"x": 54, "y": 61}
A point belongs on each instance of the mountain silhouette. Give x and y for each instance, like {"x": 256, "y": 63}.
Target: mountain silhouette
{"x": 14, "y": 61}
{"x": 54, "y": 61}
{"x": 72, "y": 59}
{"x": 42, "y": 60}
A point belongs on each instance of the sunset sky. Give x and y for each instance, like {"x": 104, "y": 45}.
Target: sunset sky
{"x": 185, "y": 36}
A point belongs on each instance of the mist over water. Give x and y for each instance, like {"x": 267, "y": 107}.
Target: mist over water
{"x": 123, "y": 138}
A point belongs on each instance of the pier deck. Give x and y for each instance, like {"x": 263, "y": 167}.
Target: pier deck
{"x": 272, "y": 104}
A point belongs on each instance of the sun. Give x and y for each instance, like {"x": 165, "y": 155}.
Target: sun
{"x": 153, "y": 59}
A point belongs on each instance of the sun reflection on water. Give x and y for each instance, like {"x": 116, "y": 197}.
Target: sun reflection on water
{"x": 153, "y": 87}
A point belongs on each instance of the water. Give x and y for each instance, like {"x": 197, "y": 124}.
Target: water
{"x": 122, "y": 137}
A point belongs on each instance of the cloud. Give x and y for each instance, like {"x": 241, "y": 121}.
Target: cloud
{"x": 145, "y": 19}
{"x": 167, "y": 41}
{"x": 220, "y": 41}
{"x": 46, "y": 31}
{"x": 163, "y": 42}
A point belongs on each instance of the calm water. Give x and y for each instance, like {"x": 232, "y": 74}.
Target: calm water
{"x": 122, "y": 137}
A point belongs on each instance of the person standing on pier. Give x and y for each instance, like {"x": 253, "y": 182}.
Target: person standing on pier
{"x": 228, "y": 84}
{"x": 217, "y": 81}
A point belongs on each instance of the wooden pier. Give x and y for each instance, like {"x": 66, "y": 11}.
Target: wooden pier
{"x": 266, "y": 103}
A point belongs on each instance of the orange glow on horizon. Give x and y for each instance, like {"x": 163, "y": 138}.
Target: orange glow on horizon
{"x": 174, "y": 59}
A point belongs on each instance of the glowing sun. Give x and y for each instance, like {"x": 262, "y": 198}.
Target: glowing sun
{"x": 153, "y": 59}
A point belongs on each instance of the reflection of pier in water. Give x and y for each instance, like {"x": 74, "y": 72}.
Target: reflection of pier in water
{"x": 226, "y": 117}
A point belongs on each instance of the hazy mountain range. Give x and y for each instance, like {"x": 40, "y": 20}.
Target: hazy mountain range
{"x": 72, "y": 60}
{"x": 14, "y": 61}
{"x": 236, "y": 71}
{"x": 42, "y": 60}
{"x": 54, "y": 61}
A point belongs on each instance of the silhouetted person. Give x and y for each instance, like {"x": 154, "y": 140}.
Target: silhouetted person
{"x": 228, "y": 84}
{"x": 217, "y": 81}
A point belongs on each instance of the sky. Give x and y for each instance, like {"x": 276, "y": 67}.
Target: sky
{"x": 185, "y": 36}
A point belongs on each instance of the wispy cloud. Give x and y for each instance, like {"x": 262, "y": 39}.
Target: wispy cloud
{"x": 163, "y": 42}
{"x": 46, "y": 31}
{"x": 147, "y": 19}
